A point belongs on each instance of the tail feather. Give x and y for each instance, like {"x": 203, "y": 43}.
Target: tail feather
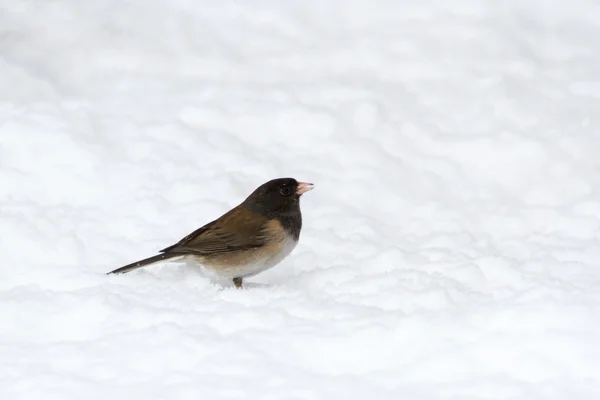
{"x": 145, "y": 262}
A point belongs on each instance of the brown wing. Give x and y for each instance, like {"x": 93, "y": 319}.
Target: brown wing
{"x": 238, "y": 229}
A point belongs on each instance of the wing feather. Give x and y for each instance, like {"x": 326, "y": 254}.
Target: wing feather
{"x": 237, "y": 230}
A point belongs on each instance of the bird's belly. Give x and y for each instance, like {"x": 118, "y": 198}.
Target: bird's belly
{"x": 249, "y": 263}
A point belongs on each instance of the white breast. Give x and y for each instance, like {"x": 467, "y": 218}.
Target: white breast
{"x": 287, "y": 246}
{"x": 256, "y": 263}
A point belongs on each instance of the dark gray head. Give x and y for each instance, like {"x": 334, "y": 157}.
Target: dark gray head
{"x": 278, "y": 197}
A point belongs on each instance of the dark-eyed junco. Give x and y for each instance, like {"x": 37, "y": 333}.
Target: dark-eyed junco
{"x": 252, "y": 237}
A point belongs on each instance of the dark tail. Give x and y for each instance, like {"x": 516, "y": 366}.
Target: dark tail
{"x": 144, "y": 262}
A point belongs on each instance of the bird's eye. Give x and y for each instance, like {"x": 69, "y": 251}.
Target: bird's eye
{"x": 285, "y": 191}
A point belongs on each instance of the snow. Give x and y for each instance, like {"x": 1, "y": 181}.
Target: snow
{"x": 450, "y": 249}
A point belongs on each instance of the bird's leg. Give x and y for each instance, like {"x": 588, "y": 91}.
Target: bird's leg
{"x": 237, "y": 282}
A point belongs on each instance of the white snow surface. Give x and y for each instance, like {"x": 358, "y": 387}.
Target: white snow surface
{"x": 450, "y": 249}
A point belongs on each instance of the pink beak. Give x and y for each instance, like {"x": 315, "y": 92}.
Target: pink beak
{"x": 304, "y": 187}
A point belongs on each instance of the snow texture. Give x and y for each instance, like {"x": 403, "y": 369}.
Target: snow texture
{"x": 451, "y": 247}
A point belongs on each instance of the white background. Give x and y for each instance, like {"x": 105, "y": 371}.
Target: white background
{"x": 450, "y": 248}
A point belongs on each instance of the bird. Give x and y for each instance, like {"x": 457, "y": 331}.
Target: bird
{"x": 252, "y": 237}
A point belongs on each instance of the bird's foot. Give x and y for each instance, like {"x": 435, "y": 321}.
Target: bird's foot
{"x": 237, "y": 282}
